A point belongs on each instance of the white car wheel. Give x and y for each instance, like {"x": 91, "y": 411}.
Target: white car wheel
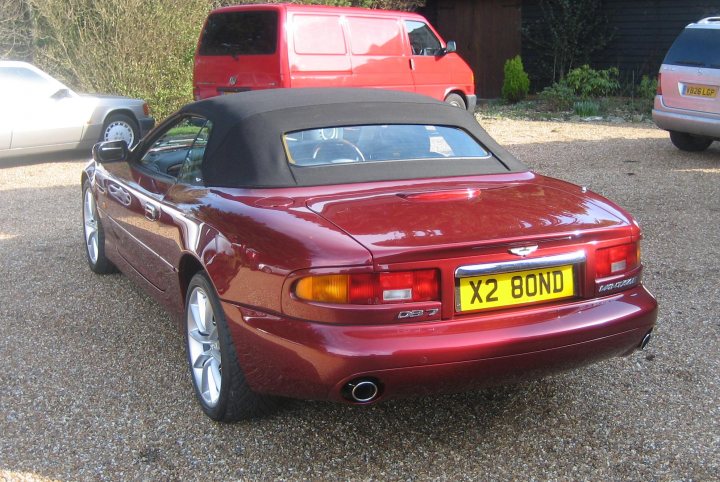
{"x": 120, "y": 127}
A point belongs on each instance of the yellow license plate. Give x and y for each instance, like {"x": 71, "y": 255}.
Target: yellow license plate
{"x": 516, "y": 288}
{"x": 701, "y": 91}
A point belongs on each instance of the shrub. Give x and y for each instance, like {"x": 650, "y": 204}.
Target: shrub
{"x": 558, "y": 96}
{"x": 16, "y": 36}
{"x": 586, "y": 108}
{"x": 122, "y": 47}
{"x": 647, "y": 88}
{"x": 516, "y": 83}
{"x": 591, "y": 83}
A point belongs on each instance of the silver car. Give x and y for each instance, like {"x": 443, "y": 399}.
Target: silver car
{"x": 39, "y": 114}
{"x": 688, "y": 103}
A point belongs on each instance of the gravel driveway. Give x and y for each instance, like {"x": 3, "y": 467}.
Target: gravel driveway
{"x": 94, "y": 383}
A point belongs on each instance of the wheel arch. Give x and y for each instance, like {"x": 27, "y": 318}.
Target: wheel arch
{"x": 458, "y": 91}
{"x": 120, "y": 110}
{"x": 188, "y": 267}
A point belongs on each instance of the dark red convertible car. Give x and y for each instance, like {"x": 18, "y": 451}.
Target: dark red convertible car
{"x": 358, "y": 245}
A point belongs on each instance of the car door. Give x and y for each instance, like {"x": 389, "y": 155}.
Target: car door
{"x": 430, "y": 69}
{"x": 5, "y": 133}
{"x": 148, "y": 230}
{"x": 43, "y": 112}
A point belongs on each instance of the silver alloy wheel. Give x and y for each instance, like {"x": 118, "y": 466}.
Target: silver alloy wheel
{"x": 119, "y": 131}
{"x": 90, "y": 226}
{"x": 204, "y": 347}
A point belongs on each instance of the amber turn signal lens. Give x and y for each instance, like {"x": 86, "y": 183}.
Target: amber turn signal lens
{"x": 332, "y": 288}
{"x": 371, "y": 288}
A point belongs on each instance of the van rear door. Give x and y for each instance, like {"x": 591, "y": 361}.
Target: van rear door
{"x": 238, "y": 51}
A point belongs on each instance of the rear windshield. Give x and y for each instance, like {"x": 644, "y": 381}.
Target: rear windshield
{"x": 338, "y": 145}
{"x": 696, "y": 47}
{"x": 240, "y": 33}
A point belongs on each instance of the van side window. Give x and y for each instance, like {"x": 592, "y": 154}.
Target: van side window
{"x": 240, "y": 33}
{"x": 375, "y": 36}
{"x": 422, "y": 40}
{"x": 318, "y": 35}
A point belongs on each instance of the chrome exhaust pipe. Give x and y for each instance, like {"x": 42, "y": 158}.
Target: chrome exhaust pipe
{"x": 361, "y": 390}
{"x": 645, "y": 340}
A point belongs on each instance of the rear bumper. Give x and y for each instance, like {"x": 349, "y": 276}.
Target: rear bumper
{"x": 314, "y": 361}
{"x": 681, "y": 120}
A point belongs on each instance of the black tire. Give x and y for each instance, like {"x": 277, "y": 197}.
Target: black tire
{"x": 120, "y": 126}
{"x": 456, "y": 100}
{"x": 101, "y": 264}
{"x": 689, "y": 142}
{"x": 236, "y": 400}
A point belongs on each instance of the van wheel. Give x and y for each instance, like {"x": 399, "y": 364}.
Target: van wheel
{"x": 689, "y": 142}
{"x": 456, "y": 100}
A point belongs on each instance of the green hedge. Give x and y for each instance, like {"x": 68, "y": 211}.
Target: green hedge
{"x": 138, "y": 48}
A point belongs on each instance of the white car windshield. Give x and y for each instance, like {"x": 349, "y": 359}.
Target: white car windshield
{"x": 21, "y": 82}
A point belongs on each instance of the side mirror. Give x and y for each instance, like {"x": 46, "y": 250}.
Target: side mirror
{"x": 110, "y": 151}
{"x": 451, "y": 47}
{"x": 61, "y": 94}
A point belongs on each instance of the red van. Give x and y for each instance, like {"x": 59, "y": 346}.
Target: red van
{"x": 248, "y": 47}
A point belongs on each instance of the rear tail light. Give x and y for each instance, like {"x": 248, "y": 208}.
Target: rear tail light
{"x": 659, "y": 85}
{"x": 146, "y": 109}
{"x": 371, "y": 288}
{"x": 617, "y": 260}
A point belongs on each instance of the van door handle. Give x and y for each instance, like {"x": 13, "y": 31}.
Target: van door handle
{"x": 412, "y": 64}
{"x": 151, "y": 212}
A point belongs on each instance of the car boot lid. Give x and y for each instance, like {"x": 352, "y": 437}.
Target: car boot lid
{"x": 468, "y": 214}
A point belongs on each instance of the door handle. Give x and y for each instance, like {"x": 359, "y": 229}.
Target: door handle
{"x": 151, "y": 212}
{"x": 412, "y": 64}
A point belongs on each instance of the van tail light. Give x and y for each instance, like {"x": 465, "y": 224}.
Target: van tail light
{"x": 370, "y": 288}
{"x": 659, "y": 85}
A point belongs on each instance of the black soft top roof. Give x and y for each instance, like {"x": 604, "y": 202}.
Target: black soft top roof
{"x": 246, "y": 147}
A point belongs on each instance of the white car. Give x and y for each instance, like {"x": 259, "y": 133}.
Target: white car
{"x": 688, "y": 100}
{"x": 40, "y": 114}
